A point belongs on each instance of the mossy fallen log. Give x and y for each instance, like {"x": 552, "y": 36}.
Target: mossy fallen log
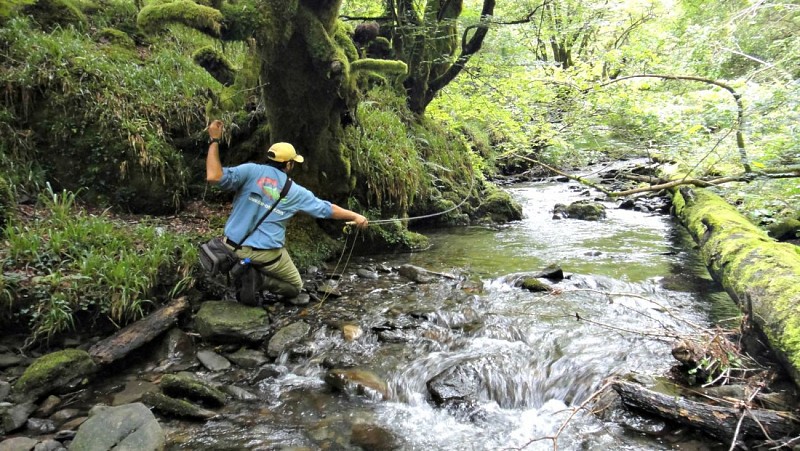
{"x": 760, "y": 274}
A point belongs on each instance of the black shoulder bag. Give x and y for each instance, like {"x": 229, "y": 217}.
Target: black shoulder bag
{"x": 217, "y": 258}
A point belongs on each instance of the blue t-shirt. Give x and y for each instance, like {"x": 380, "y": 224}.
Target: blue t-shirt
{"x": 257, "y": 187}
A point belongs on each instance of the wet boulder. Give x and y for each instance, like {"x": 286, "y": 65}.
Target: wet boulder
{"x": 213, "y": 361}
{"x": 415, "y": 273}
{"x": 287, "y": 337}
{"x": 56, "y": 372}
{"x": 18, "y": 444}
{"x": 582, "y": 209}
{"x": 222, "y": 321}
{"x": 130, "y": 426}
{"x": 534, "y": 285}
{"x": 374, "y": 437}
{"x": 175, "y": 407}
{"x": 248, "y": 358}
{"x": 177, "y": 351}
{"x": 15, "y": 416}
{"x": 456, "y": 385}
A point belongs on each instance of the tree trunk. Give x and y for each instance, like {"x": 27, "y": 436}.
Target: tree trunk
{"x": 305, "y": 57}
{"x": 760, "y": 274}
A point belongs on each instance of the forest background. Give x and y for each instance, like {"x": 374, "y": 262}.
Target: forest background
{"x": 105, "y": 103}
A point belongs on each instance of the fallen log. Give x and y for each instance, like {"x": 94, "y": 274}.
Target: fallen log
{"x": 760, "y": 274}
{"x": 718, "y": 421}
{"x": 138, "y": 334}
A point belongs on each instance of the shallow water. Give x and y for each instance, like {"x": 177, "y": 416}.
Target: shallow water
{"x": 633, "y": 282}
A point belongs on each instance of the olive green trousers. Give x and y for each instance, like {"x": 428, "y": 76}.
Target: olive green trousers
{"x": 282, "y": 276}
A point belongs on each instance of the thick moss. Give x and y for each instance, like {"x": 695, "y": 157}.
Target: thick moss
{"x": 759, "y": 273}
{"x": 175, "y": 407}
{"x": 788, "y": 229}
{"x": 534, "y": 285}
{"x": 499, "y": 206}
{"x": 215, "y": 63}
{"x": 54, "y": 371}
{"x": 49, "y": 13}
{"x": 204, "y": 18}
{"x": 115, "y": 37}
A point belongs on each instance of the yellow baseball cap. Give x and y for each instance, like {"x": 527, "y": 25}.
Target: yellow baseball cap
{"x": 282, "y": 152}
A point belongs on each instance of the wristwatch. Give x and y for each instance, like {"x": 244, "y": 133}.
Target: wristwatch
{"x": 213, "y": 140}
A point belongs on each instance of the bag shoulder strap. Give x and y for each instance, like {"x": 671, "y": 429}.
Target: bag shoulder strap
{"x": 283, "y": 193}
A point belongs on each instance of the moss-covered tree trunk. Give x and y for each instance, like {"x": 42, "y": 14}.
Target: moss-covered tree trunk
{"x": 305, "y": 55}
{"x": 760, "y": 274}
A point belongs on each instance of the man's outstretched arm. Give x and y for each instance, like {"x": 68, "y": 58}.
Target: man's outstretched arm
{"x": 347, "y": 215}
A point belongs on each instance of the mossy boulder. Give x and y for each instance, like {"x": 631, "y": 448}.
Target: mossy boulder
{"x": 59, "y": 371}
{"x": 583, "y": 209}
{"x": 220, "y": 321}
{"x": 534, "y": 285}
{"x": 183, "y": 386}
{"x": 498, "y": 206}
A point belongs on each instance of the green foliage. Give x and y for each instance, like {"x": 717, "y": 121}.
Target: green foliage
{"x": 51, "y": 13}
{"x": 9, "y": 8}
{"x": 100, "y": 116}
{"x": 384, "y": 158}
{"x": 84, "y": 267}
{"x": 204, "y": 18}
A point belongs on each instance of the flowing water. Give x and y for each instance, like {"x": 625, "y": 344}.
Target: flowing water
{"x": 632, "y": 280}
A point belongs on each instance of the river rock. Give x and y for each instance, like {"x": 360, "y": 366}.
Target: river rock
{"x": 18, "y": 444}
{"x": 49, "y": 445}
{"x": 5, "y": 390}
{"x": 329, "y": 290}
{"x": 534, "y": 285}
{"x": 415, "y": 273}
{"x": 352, "y": 332}
{"x": 176, "y": 407}
{"x": 64, "y": 415}
{"x": 127, "y": 427}
{"x": 15, "y": 416}
{"x": 61, "y": 370}
{"x": 213, "y": 361}
{"x": 48, "y": 406}
{"x": 373, "y": 437}
{"x": 367, "y": 274}
{"x": 239, "y": 393}
{"x": 132, "y": 392}
{"x": 248, "y": 358}
{"x": 582, "y": 209}
{"x": 177, "y": 351}
{"x": 357, "y": 381}
{"x": 40, "y": 426}
{"x": 286, "y": 337}
{"x": 223, "y": 321}
{"x": 8, "y": 360}
{"x": 460, "y": 383}
{"x": 182, "y": 386}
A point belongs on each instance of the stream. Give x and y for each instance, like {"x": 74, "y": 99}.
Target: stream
{"x": 529, "y": 360}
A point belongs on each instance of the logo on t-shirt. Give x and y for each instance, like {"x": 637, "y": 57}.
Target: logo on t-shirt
{"x": 269, "y": 187}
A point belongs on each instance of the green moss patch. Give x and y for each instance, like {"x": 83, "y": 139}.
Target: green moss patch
{"x": 59, "y": 370}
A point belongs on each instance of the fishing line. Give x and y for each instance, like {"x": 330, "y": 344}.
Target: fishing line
{"x": 347, "y": 232}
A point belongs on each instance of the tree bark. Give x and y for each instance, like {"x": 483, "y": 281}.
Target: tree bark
{"x": 718, "y": 421}
{"x": 760, "y": 274}
{"x": 138, "y": 334}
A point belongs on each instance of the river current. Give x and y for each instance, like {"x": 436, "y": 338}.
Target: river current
{"x": 633, "y": 282}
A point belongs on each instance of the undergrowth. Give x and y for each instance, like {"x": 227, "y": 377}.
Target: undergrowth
{"x": 68, "y": 269}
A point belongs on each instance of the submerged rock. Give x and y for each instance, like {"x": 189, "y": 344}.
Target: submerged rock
{"x": 415, "y": 273}
{"x": 457, "y": 384}
{"x": 373, "y": 437}
{"x": 15, "y": 416}
{"x": 126, "y": 427}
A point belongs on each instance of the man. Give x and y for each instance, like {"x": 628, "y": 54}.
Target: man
{"x": 258, "y": 187}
